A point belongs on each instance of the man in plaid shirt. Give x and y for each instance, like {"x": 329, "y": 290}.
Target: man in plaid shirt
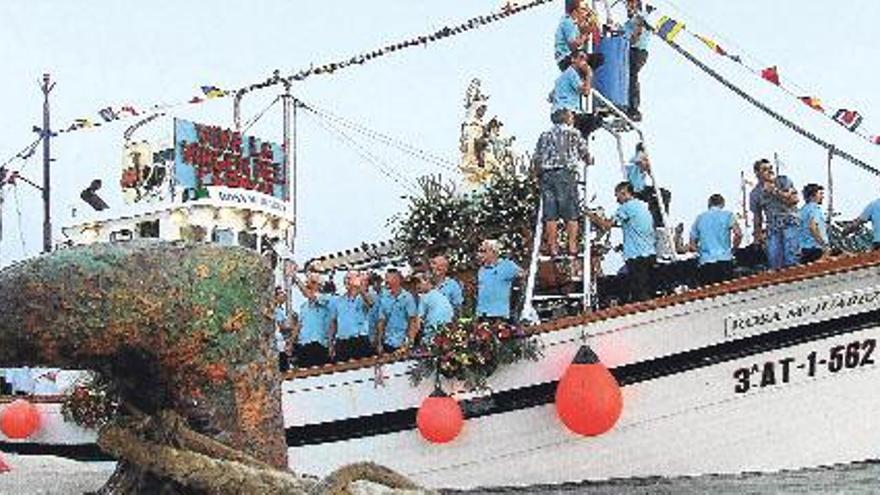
{"x": 557, "y": 156}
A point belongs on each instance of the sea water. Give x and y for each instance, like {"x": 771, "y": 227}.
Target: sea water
{"x": 858, "y": 479}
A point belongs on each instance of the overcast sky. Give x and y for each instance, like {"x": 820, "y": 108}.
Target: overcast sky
{"x": 701, "y": 136}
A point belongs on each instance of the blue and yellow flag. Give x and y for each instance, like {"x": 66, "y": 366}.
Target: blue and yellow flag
{"x": 668, "y": 28}
{"x": 213, "y": 92}
{"x": 82, "y": 123}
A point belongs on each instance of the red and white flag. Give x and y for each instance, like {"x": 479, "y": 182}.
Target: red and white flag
{"x": 850, "y": 119}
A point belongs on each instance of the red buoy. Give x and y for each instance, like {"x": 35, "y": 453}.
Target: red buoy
{"x": 439, "y": 418}
{"x": 588, "y": 398}
{"x": 20, "y": 419}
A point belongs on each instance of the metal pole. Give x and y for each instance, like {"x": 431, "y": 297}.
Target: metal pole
{"x": 587, "y": 271}
{"x": 745, "y": 201}
{"x": 236, "y": 109}
{"x": 830, "y": 188}
{"x": 285, "y": 105}
{"x": 46, "y": 134}
{"x": 294, "y": 195}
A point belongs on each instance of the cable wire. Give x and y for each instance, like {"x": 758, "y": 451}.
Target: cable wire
{"x": 769, "y": 111}
{"x": 412, "y": 150}
{"x": 383, "y": 167}
{"x": 20, "y": 223}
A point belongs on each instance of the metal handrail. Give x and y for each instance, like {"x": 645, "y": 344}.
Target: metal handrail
{"x": 623, "y": 116}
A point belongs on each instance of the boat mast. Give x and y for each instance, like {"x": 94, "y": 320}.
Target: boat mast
{"x": 289, "y": 115}
{"x": 46, "y": 134}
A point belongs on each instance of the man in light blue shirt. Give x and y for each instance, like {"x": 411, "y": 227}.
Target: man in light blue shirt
{"x": 871, "y": 213}
{"x": 494, "y": 281}
{"x": 434, "y": 309}
{"x": 572, "y": 85}
{"x": 638, "y": 36}
{"x": 349, "y": 326}
{"x": 569, "y": 36}
{"x": 282, "y": 328}
{"x": 313, "y": 335}
{"x": 446, "y": 285}
{"x": 710, "y": 238}
{"x": 397, "y": 326}
{"x": 813, "y": 233}
{"x": 639, "y": 239}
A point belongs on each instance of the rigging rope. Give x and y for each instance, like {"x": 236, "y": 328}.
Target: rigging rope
{"x": 383, "y": 167}
{"x": 20, "y": 225}
{"x": 24, "y": 154}
{"x": 769, "y": 111}
{"x": 259, "y": 115}
{"x": 398, "y": 144}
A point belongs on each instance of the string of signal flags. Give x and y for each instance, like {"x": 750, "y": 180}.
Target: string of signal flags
{"x": 111, "y": 114}
{"x": 669, "y": 28}
{"x": 666, "y": 27}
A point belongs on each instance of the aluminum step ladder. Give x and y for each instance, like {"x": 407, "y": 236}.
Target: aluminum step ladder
{"x": 540, "y": 305}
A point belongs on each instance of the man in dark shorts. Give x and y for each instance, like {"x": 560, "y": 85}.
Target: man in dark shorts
{"x": 558, "y": 154}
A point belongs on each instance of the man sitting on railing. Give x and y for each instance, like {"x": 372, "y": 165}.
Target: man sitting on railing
{"x": 494, "y": 281}
{"x": 871, "y": 213}
{"x": 710, "y": 238}
{"x": 639, "y": 239}
{"x": 397, "y": 326}
{"x": 813, "y": 231}
{"x": 312, "y": 337}
{"x": 557, "y": 157}
{"x": 349, "y": 328}
{"x": 434, "y": 308}
{"x": 637, "y": 171}
{"x": 447, "y": 286}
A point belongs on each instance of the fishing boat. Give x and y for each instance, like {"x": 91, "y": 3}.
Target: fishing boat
{"x": 770, "y": 371}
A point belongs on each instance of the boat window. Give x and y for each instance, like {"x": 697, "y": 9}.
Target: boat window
{"x": 148, "y": 229}
{"x": 121, "y": 235}
{"x": 267, "y": 249}
{"x": 193, "y": 233}
{"x": 248, "y": 240}
{"x": 223, "y": 237}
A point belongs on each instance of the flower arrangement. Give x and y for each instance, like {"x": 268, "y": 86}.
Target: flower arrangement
{"x": 470, "y": 351}
{"x": 441, "y": 219}
{"x": 91, "y": 403}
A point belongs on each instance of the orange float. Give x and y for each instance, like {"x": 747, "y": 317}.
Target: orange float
{"x": 588, "y": 397}
{"x": 20, "y": 419}
{"x": 439, "y": 418}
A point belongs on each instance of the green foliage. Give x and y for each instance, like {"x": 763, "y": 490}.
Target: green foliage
{"x": 442, "y": 220}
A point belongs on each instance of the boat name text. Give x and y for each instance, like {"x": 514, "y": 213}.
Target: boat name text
{"x": 789, "y": 314}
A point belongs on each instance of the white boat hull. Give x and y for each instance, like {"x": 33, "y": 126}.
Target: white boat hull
{"x": 774, "y": 376}
{"x": 683, "y": 412}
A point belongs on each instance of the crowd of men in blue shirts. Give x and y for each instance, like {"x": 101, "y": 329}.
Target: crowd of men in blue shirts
{"x": 788, "y": 234}
{"x": 372, "y": 318}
